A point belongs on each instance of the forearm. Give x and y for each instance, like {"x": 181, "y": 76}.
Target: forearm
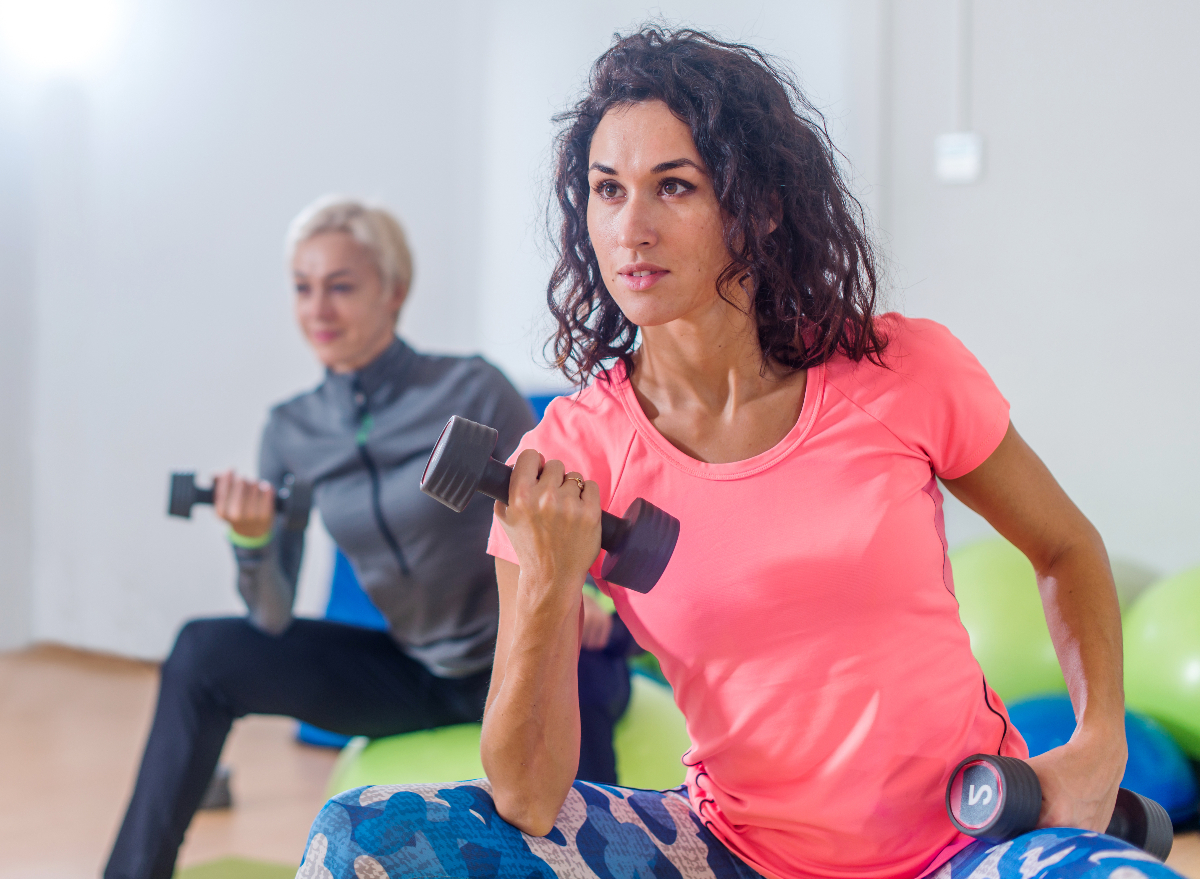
{"x": 266, "y": 579}
{"x": 530, "y": 744}
{"x": 1084, "y": 619}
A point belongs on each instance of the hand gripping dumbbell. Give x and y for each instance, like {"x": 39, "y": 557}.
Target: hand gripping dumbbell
{"x": 639, "y": 545}
{"x": 293, "y": 499}
{"x": 996, "y": 798}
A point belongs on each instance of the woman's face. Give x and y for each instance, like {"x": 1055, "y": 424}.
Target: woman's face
{"x": 653, "y": 217}
{"x": 344, "y": 312}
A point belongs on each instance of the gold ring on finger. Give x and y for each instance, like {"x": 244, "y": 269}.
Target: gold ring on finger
{"x": 579, "y": 482}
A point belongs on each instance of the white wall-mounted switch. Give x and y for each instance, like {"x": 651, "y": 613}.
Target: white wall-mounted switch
{"x": 958, "y": 157}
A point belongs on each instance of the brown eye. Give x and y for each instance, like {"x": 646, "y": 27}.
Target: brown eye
{"x": 608, "y": 189}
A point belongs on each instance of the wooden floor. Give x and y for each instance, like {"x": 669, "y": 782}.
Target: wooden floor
{"x": 72, "y": 726}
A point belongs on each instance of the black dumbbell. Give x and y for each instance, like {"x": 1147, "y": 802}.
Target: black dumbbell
{"x": 996, "y": 798}
{"x": 293, "y": 499}
{"x": 639, "y": 545}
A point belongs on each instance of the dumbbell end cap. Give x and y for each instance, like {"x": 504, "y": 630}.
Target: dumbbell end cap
{"x": 454, "y": 468}
{"x": 643, "y": 555}
{"x": 1143, "y": 822}
{"x": 182, "y": 495}
{"x": 993, "y": 798}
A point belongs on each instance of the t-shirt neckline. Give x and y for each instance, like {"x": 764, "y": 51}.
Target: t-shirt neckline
{"x": 813, "y": 395}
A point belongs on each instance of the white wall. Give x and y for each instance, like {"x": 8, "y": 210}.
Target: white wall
{"x": 146, "y": 315}
{"x": 1067, "y": 269}
{"x": 162, "y": 188}
{"x": 16, "y": 354}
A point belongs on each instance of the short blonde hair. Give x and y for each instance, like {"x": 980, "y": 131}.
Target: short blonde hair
{"x": 370, "y": 225}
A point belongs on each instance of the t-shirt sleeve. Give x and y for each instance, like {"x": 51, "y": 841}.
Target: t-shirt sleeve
{"x": 939, "y": 399}
{"x": 569, "y": 432}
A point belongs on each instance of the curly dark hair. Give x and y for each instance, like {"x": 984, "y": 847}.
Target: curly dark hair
{"x": 770, "y": 157}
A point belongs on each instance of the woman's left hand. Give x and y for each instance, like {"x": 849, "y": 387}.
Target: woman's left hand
{"x": 1080, "y": 780}
{"x": 597, "y": 625}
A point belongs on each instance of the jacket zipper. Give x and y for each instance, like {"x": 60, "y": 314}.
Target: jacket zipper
{"x": 365, "y": 422}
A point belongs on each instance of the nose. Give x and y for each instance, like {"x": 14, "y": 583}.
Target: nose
{"x": 636, "y": 227}
{"x": 321, "y": 303}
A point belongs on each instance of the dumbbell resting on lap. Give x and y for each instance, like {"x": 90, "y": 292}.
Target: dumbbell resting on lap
{"x": 293, "y": 499}
{"x": 996, "y": 798}
{"x": 638, "y": 545}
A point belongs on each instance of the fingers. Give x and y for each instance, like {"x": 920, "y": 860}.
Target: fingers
{"x": 533, "y": 474}
{"x": 524, "y": 473}
{"x": 574, "y": 481}
{"x": 248, "y": 505}
{"x": 554, "y": 473}
{"x": 221, "y": 490}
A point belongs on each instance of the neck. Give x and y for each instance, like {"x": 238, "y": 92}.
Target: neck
{"x": 364, "y": 357}
{"x": 711, "y": 359}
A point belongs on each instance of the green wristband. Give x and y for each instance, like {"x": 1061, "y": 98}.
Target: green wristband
{"x": 241, "y": 541}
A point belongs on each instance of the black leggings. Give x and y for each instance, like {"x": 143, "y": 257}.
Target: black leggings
{"x": 341, "y": 678}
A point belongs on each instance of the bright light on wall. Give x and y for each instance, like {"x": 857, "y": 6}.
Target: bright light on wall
{"x": 59, "y": 36}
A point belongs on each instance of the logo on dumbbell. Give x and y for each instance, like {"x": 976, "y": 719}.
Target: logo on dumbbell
{"x": 985, "y": 794}
{"x": 977, "y": 795}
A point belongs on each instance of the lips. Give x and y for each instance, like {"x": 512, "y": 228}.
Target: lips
{"x": 641, "y": 275}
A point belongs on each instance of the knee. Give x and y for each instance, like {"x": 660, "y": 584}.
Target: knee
{"x": 329, "y": 841}
{"x": 197, "y": 646}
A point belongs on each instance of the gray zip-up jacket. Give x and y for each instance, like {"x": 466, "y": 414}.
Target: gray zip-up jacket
{"x": 362, "y": 440}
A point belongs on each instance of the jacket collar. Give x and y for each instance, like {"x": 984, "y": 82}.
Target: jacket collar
{"x": 377, "y": 383}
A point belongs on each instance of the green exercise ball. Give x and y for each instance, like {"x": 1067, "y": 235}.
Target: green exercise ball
{"x": 1162, "y": 657}
{"x": 1001, "y": 609}
{"x": 448, "y": 753}
{"x": 649, "y": 740}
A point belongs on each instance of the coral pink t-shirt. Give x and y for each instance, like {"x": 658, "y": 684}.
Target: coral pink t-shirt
{"x": 807, "y": 620}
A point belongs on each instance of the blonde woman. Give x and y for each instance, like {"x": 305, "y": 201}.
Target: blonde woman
{"x": 361, "y": 438}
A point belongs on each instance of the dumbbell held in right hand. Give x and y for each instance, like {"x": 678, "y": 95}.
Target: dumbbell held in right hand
{"x": 638, "y": 545}
{"x": 293, "y": 499}
{"x": 996, "y": 798}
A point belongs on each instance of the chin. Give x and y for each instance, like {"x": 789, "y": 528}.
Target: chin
{"x": 649, "y": 317}
{"x": 329, "y": 355}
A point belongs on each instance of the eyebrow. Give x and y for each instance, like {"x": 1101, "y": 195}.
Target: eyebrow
{"x": 657, "y": 169}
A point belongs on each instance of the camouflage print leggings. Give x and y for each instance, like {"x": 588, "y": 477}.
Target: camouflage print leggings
{"x": 604, "y": 832}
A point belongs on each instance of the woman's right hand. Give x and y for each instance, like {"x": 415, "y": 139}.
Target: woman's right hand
{"x": 554, "y": 525}
{"x": 248, "y": 505}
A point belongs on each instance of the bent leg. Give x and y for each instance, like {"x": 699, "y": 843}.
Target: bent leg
{"x": 338, "y": 677}
{"x": 1055, "y": 853}
{"x": 410, "y": 831}
{"x": 603, "y": 697}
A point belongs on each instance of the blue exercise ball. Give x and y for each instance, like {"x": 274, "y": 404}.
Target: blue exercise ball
{"x": 1156, "y": 769}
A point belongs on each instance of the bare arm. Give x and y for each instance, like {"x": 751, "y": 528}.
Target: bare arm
{"x": 1017, "y": 494}
{"x": 530, "y": 742}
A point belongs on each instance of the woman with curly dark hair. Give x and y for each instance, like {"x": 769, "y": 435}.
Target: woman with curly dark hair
{"x": 716, "y": 298}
